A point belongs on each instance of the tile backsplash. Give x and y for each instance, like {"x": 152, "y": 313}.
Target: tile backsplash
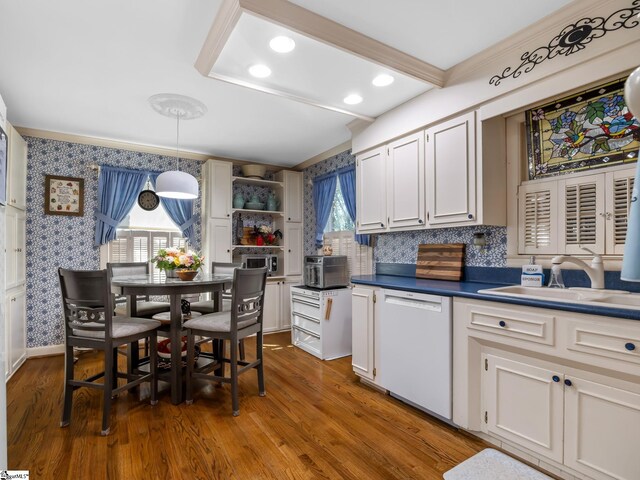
{"x": 402, "y": 247}
{"x": 54, "y": 241}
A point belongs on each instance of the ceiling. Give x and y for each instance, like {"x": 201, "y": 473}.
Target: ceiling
{"x": 88, "y": 68}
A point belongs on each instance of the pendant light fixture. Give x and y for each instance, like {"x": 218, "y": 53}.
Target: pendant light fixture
{"x": 174, "y": 183}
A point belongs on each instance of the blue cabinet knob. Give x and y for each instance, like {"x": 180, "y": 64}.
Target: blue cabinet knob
{"x": 630, "y": 346}
{"x": 502, "y": 323}
{"x": 555, "y": 378}
{"x": 568, "y": 383}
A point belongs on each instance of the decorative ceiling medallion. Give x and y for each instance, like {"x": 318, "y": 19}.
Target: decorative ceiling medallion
{"x": 572, "y": 39}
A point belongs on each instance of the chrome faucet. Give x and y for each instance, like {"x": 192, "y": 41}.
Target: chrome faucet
{"x": 595, "y": 270}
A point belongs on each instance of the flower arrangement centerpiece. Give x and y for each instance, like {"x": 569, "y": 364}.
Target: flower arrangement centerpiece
{"x": 265, "y": 235}
{"x": 185, "y": 263}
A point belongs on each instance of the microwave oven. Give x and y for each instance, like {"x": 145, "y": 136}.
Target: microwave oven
{"x": 259, "y": 261}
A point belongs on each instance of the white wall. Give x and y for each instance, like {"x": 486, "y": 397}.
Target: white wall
{"x": 468, "y": 85}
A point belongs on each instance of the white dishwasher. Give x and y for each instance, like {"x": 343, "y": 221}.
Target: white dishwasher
{"x": 415, "y": 349}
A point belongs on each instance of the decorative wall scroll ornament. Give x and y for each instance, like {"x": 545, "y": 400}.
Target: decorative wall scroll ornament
{"x": 587, "y": 130}
{"x": 572, "y": 39}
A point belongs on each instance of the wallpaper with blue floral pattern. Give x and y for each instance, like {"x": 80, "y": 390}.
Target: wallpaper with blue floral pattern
{"x": 402, "y": 247}
{"x": 54, "y": 241}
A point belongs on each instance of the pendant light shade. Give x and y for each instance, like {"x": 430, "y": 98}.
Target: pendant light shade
{"x": 174, "y": 183}
{"x": 631, "y": 260}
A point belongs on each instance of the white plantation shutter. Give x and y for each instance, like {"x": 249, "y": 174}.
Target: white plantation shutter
{"x": 360, "y": 257}
{"x": 119, "y": 249}
{"x": 140, "y": 247}
{"x": 538, "y": 218}
{"x": 582, "y": 214}
{"x": 620, "y": 186}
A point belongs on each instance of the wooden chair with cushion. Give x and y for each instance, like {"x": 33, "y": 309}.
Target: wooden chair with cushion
{"x": 89, "y": 323}
{"x": 144, "y": 307}
{"x": 244, "y": 319}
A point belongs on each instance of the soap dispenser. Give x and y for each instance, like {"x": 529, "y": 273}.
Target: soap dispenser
{"x": 532, "y": 274}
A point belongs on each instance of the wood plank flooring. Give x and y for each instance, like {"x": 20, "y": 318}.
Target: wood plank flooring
{"x": 318, "y": 421}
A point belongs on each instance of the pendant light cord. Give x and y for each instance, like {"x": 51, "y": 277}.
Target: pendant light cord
{"x": 178, "y": 115}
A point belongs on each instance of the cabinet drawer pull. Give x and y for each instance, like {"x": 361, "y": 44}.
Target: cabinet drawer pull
{"x": 470, "y": 216}
{"x": 420, "y": 221}
{"x": 630, "y": 346}
{"x": 568, "y": 383}
{"x": 555, "y": 378}
{"x": 308, "y": 332}
{"x": 502, "y": 323}
{"x": 382, "y": 224}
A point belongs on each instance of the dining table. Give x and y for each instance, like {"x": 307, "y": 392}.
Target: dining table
{"x": 174, "y": 288}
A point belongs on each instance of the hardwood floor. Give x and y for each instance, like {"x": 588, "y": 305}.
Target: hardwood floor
{"x": 317, "y": 421}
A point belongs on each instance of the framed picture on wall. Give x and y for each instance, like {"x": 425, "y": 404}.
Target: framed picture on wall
{"x": 63, "y": 196}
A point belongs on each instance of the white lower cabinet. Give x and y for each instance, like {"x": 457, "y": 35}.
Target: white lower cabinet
{"x": 277, "y": 306}
{"x": 561, "y": 387}
{"x": 524, "y": 404}
{"x": 591, "y": 427}
{"x": 363, "y": 302}
{"x": 15, "y": 325}
{"x": 602, "y": 430}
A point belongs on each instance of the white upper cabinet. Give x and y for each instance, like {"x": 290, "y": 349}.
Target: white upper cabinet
{"x": 14, "y": 272}
{"x": 293, "y": 249}
{"x": 451, "y": 171}
{"x": 217, "y": 240}
{"x": 17, "y": 170}
{"x": 405, "y": 180}
{"x": 218, "y": 189}
{"x": 293, "y": 195}
{"x": 371, "y": 187}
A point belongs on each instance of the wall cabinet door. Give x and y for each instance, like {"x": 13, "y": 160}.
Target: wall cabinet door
{"x": 602, "y": 430}
{"x": 405, "y": 179}
{"x": 218, "y": 240}
{"x": 219, "y": 187}
{"x": 451, "y": 171}
{"x": 293, "y": 196}
{"x": 524, "y": 404}
{"x": 371, "y": 188}
{"x": 362, "y": 325}
{"x": 293, "y": 249}
{"x": 14, "y": 272}
{"x": 17, "y": 352}
{"x": 17, "y": 170}
{"x": 271, "y": 315}
{"x": 582, "y": 214}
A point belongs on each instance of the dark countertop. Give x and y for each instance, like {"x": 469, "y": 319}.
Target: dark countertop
{"x": 470, "y": 290}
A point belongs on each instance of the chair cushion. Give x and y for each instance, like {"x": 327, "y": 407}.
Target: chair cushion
{"x": 145, "y": 309}
{"x": 120, "y": 327}
{"x": 206, "y": 306}
{"x": 216, "y": 322}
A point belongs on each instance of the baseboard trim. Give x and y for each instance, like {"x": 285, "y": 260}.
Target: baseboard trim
{"x": 47, "y": 351}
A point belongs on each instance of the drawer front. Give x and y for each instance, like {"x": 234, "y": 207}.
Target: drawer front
{"x": 305, "y": 307}
{"x": 531, "y": 327}
{"x": 306, "y": 340}
{"x": 311, "y": 324}
{"x": 304, "y": 294}
{"x": 612, "y": 341}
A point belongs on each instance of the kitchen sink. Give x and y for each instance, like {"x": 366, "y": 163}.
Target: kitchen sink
{"x": 588, "y": 296}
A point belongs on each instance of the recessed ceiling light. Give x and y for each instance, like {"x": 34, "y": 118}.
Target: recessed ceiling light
{"x": 352, "y": 99}
{"x": 383, "y": 80}
{"x": 260, "y": 71}
{"x": 282, "y": 44}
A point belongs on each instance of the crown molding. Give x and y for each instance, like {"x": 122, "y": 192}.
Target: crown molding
{"x": 540, "y": 31}
{"x": 133, "y": 147}
{"x": 324, "y": 155}
{"x": 312, "y": 25}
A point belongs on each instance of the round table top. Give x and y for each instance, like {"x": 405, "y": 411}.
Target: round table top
{"x": 165, "y": 317}
{"x": 149, "y": 285}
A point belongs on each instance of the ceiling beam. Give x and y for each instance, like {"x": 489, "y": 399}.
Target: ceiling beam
{"x": 314, "y": 26}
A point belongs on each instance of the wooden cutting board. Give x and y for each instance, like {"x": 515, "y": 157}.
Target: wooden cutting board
{"x": 440, "y": 261}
